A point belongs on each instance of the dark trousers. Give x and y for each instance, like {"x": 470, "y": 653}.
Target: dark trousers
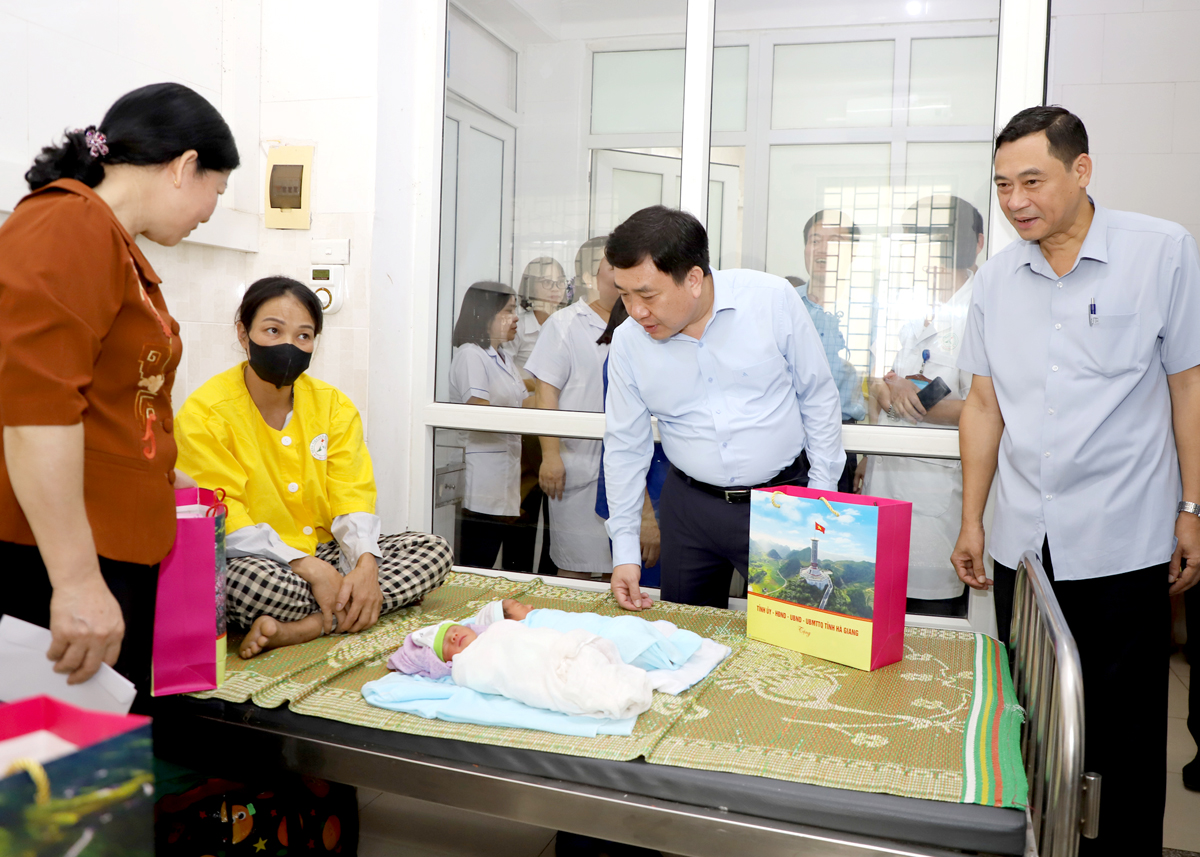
{"x": 705, "y": 539}
{"x": 1192, "y": 652}
{"x": 26, "y": 595}
{"x": 535, "y": 516}
{"x": 1122, "y": 626}
{"x": 484, "y": 535}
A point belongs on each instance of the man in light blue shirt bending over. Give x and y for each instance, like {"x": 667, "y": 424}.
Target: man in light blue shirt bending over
{"x": 730, "y": 363}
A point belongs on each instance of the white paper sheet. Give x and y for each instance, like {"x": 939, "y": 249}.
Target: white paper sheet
{"x": 26, "y": 671}
{"x": 42, "y": 746}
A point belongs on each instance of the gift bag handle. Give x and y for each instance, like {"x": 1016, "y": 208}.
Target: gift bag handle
{"x": 776, "y": 504}
{"x": 36, "y": 773}
{"x": 218, "y": 507}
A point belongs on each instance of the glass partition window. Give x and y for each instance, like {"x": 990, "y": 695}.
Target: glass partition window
{"x": 850, "y": 133}
{"x": 833, "y": 85}
{"x": 485, "y": 506}
{"x": 538, "y": 166}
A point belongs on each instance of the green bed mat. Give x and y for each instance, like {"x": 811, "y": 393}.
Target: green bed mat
{"x": 943, "y": 724}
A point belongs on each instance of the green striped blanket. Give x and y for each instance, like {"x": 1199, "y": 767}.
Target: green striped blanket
{"x": 942, "y": 724}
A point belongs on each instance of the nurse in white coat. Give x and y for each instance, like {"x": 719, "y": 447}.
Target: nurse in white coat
{"x": 483, "y": 373}
{"x": 568, "y": 365}
{"x": 929, "y": 350}
{"x": 541, "y": 294}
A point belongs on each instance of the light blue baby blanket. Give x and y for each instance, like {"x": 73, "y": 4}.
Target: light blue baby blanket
{"x": 444, "y": 700}
{"x": 640, "y": 643}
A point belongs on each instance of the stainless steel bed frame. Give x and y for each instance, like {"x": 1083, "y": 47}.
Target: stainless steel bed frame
{"x": 1064, "y": 801}
{"x": 1048, "y": 685}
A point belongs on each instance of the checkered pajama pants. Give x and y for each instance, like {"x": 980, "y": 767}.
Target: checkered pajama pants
{"x": 413, "y": 565}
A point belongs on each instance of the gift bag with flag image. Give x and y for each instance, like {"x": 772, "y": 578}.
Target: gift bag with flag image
{"x": 828, "y": 574}
{"x": 189, "y": 617}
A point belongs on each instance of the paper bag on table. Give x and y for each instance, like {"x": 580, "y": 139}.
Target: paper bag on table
{"x": 189, "y": 616}
{"x": 828, "y": 573}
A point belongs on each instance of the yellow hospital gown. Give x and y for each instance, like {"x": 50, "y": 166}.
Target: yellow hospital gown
{"x": 296, "y": 480}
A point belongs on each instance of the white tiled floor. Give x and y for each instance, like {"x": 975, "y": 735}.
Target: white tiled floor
{"x": 1181, "y": 827}
{"x": 393, "y": 825}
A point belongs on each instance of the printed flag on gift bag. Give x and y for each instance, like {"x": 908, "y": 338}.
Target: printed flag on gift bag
{"x": 189, "y": 616}
{"x": 74, "y": 782}
{"x": 828, "y": 573}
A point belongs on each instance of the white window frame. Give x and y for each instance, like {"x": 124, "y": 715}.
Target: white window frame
{"x": 1023, "y": 33}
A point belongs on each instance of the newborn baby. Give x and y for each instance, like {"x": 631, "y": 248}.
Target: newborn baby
{"x": 429, "y": 651}
{"x": 577, "y": 663}
{"x": 574, "y": 672}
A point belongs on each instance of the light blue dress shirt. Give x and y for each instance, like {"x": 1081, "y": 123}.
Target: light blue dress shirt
{"x": 848, "y": 381}
{"x": 734, "y": 407}
{"x": 1088, "y": 456}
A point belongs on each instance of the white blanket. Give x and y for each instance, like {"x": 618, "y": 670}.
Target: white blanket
{"x": 574, "y": 672}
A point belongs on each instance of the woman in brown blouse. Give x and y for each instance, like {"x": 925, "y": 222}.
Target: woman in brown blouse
{"x": 87, "y": 358}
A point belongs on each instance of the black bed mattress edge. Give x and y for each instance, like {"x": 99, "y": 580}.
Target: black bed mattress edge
{"x": 941, "y": 824}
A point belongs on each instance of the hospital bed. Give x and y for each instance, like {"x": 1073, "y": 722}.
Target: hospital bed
{"x": 680, "y": 810}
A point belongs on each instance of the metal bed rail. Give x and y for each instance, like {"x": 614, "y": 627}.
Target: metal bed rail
{"x": 1064, "y": 801}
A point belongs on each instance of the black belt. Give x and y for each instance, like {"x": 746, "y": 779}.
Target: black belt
{"x": 789, "y": 475}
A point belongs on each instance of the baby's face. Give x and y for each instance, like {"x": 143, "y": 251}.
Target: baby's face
{"x": 457, "y": 638}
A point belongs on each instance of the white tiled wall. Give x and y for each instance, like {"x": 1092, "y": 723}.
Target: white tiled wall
{"x": 63, "y": 64}
{"x": 1130, "y": 70}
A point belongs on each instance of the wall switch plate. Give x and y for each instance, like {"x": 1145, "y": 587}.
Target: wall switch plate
{"x": 330, "y": 251}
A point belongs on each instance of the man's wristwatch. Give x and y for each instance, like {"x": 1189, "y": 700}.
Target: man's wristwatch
{"x": 1186, "y": 506}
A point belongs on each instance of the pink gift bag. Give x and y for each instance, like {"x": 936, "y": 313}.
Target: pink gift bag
{"x": 189, "y": 617}
{"x": 828, "y": 574}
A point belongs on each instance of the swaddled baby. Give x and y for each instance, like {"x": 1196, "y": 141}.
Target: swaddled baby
{"x": 572, "y": 671}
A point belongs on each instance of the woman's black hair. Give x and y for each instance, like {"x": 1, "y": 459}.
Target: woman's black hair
{"x": 152, "y": 125}
{"x": 534, "y": 271}
{"x": 674, "y": 240}
{"x": 480, "y": 305}
{"x": 268, "y": 288}
{"x": 615, "y": 318}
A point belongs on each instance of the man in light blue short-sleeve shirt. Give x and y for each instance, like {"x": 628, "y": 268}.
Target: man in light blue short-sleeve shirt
{"x": 1084, "y": 343}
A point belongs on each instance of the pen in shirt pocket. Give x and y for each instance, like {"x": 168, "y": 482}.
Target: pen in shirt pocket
{"x": 1092, "y": 320}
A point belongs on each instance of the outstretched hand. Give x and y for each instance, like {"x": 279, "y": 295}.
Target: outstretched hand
{"x": 625, "y": 579}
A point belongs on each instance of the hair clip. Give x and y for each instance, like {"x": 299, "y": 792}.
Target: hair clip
{"x": 96, "y": 142}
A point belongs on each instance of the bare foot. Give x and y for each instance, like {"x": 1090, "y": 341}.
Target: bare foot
{"x": 267, "y": 633}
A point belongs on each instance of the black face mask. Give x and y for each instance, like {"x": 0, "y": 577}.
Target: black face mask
{"x": 280, "y": 365}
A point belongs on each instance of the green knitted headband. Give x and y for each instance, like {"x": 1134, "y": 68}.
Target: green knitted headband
{"x": 438, "y": 637}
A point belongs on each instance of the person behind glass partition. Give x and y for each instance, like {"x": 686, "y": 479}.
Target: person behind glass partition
{"x": 483, "y": 373}
{"x": 587, "y": 264}
{"x": 541, "y": 293}
{"x": 567, "y": 363}
{"x": 824, "y": 233}
{"x": 925, "y": 387}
